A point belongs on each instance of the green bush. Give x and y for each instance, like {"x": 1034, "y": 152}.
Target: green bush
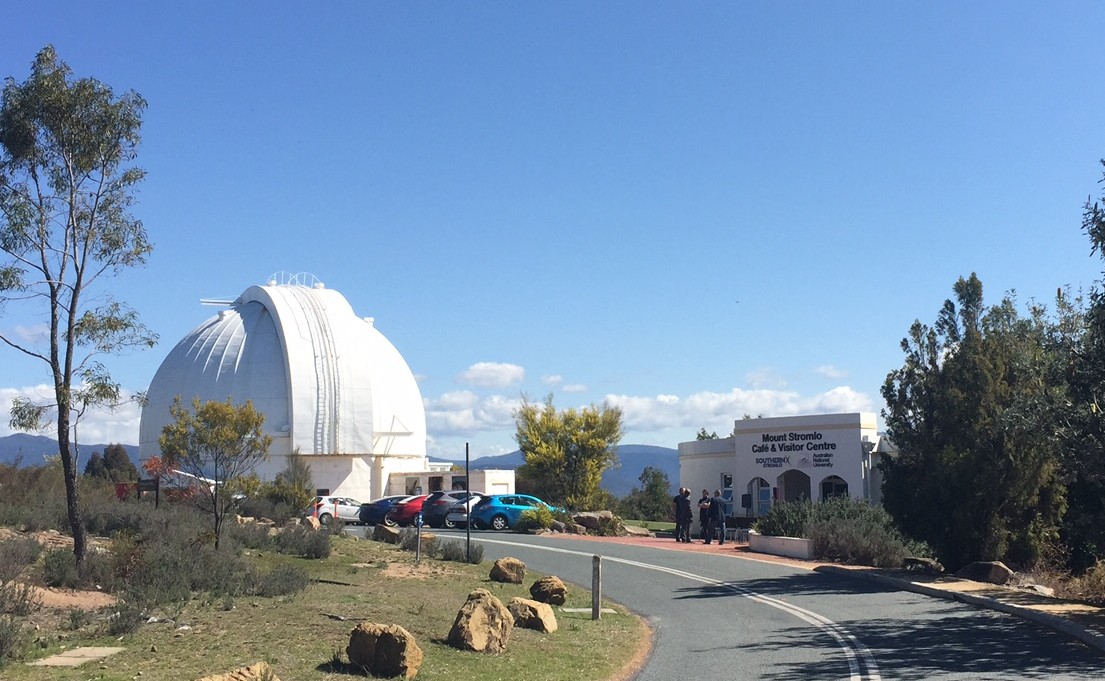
{"x": 610, "y": 527}
{"x": 252, "y": 536}
{"x": 125, "y": 617}
{"x": 13, "y": 639}
{"x": 16, "y": 555}
{"x": 456, "y": 552}
{"x": 788, "y": 519}
{"x": 283, "y": 580}
{"x": 59, "y": 569}
{"x": 301, "y": 541}
{"x": 539, "y": 518}
{"x": 408, "y": 541}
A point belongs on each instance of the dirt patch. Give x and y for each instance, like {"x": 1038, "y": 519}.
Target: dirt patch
{"x": 61, "y": 599}
{"x": 65, "y": 599}
{"x": 425, "y": 570}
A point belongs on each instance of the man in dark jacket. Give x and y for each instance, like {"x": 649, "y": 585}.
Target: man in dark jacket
{"x": 683, "y": 516}
{"x": 716, "y": 517}
{"x": 703, "y": 514}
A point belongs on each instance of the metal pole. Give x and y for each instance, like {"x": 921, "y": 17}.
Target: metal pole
{"x": 596, "y": 587}
{"x": 468, "y": 506}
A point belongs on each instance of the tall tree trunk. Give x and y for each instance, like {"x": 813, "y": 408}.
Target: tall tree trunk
{"x": 72, "y": 502}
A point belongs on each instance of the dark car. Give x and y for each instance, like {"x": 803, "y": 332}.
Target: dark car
{"x": 437, "y": 507}
{"x": 501, "y": 511}
{"x": 404, "y": 512}
{"x": 375, "y": 512}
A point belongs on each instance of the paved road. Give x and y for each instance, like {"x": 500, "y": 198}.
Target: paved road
{"x": 722, "y": 617}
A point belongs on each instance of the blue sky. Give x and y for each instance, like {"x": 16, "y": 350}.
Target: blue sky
{"x": 692, "y": 210}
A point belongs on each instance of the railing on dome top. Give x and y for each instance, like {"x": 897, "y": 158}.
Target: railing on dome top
{"x": 306, "y": 279}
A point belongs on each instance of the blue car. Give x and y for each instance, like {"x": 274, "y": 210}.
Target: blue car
{"x": 375, "y": 512}
{"x": 501, "y": 511}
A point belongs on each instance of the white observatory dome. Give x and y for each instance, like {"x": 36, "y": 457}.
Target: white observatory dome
{"x": 329, "y": 384}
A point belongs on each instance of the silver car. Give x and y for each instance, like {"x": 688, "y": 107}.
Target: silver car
{"x": 327, "y": 508}
{"x": 458, "y": 514}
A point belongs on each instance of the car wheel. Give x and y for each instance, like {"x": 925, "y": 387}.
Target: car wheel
{"x": 499, "y": 522}
{"x": 324, "y": 518}
{"x": 389, "y": 521}
{"x": 449, "y": 523}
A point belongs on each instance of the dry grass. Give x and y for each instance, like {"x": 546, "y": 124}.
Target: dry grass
{"x": 304, "y": 637}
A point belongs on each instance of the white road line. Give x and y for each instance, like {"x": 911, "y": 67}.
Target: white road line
{"x": 855, "y": 652}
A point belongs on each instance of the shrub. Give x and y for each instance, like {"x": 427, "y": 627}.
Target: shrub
{"x": 59, "y": 568}
{"x": 539, "y": 518}
{"x": 456, "y": 552}
{"x": 18, "y": 599}
{"x": 16, "y": 555}
{"x": 125, "y": 617}
{"x": 283, "y": 580}
{"x": 610, "y": 527}
{"x": 252, "y": 536}
{"x": 13, "y": 640}
{"x": 301, "y": 541}
{"x": 788, "y": 519}
{"x": 408, "y": 541}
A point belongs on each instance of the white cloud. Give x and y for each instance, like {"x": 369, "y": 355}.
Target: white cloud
{"x": 493, "y": 374}
{"x": 829, "y": 371}
{"x": 98, "y": 426}
{"x": 765, "y": 378}
{"x": 574, "y": 388}
{"x": 552, "y": 379}
{"x": 465, "y": 412}
{"x": 32, "y": 335}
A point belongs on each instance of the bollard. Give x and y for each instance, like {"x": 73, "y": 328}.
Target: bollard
{"x": 596, "y": 587}
{"x": 418, "y": 539}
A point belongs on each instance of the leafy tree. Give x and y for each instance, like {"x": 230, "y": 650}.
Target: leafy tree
{"x": 65, "y": 222}
{"x": 703, "y": 435}
{"x": 566, "y": 451}
{"x": 1081, "y": 423}
{"x": 652, "y": 501}
{"x": 95, "y": 467}
{"x": 216, "y": 441}
{"x": 976, "y": 476}
{"x": 294, "y": 485}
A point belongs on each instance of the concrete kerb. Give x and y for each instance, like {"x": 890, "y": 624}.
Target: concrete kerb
{"x": 1091, "y": 638}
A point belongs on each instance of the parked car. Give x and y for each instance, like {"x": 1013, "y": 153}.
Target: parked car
{"x": 501, "y": 511}
{"x": 437, "y": 506}
{"x": 375, "y": 512}
{"x": 325, "y": 508}
{"x": 405, "y": 510}
{"x": 458, "y": 513}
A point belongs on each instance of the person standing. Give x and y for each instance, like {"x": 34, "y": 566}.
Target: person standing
{"x": 703, "y": 514}
{"x": 716, "y": 512}
{"x": 683, "y": 515}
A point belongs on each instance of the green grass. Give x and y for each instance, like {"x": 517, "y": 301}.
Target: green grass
{"x": 364, "y": 581}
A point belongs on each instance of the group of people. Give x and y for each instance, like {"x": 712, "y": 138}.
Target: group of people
{"x": 711, "y": 516}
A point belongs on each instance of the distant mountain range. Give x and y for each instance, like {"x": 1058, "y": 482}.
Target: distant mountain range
{"x": 29, "y": 450}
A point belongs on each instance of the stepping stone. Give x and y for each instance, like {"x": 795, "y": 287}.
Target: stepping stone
{"x": 76, "y": 657}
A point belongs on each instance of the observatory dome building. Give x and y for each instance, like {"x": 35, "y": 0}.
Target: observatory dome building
{"x": 330, "y": 385}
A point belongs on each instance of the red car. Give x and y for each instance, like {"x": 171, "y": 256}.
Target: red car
{"x": 404, "y": 512}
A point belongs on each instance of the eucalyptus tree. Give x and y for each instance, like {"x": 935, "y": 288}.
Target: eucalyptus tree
{"x": 66, "y": 192}
{"x": 566, "y": 451}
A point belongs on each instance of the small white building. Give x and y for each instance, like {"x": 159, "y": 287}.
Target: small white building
{"x": 781, "y": 459}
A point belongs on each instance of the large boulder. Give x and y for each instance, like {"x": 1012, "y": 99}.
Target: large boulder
{"x": 992, "y": 572}
{"x": 549, "y": 590}
{"x": 592, "y": 520}
{"x": 508, "y": 570}
{"x": 638, "y": 531}
{"x": 530, "y": 614}
{"x": 575, "y": 528}
{"x": 385, "y": 650}
{"x": 388, "y": 535}
{"x": 312, "y": 522}
{"x": 483, "y": 624}
{"x": 255, "y": 672}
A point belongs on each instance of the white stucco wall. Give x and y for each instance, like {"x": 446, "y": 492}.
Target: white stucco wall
{"x": 786, "y": 458}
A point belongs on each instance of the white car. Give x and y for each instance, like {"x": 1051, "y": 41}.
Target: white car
{"x": 327, "y": 508}
{"x": 458, "y": 514}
